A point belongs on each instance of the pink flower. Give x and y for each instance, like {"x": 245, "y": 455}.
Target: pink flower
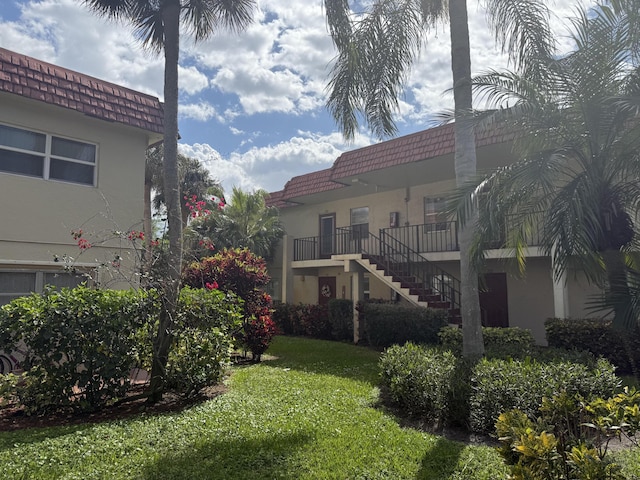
{"x": 83, "y": 244}
{"x": 211, "y": 286}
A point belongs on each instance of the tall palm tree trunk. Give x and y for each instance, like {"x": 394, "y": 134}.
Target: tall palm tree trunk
{"x": 465, "y": 167}
{"x": 170, "y": 288}
{"x": 618, "y": 289}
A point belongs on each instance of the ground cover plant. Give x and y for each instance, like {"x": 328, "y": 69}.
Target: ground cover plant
{"x": 309, "y": 411}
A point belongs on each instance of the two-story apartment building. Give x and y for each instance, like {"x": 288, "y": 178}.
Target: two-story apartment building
{"x": 373, "y": 226}
{"x": 72, "y": 156}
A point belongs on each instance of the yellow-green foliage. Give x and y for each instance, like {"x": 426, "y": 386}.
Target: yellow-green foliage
{"x": 570, "y": 438}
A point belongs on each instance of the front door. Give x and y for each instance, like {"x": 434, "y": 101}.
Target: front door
{"x": 326, "y": 289}
{"x": 327, "y": 235}
{"x": 494, "y": 304}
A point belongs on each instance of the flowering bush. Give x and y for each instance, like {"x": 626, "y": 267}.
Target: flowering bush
{"x": 241, "y": 272}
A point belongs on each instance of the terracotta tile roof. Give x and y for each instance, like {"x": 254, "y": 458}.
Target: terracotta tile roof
{"x": 411, "y": 148}
{"x": 38, "y": 80}
{"x": 418, "y": 146}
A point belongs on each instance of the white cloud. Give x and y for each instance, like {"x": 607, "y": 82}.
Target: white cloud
{"x": 191, "y": 80}
{"x": 272, "y": 166}
{"x": 202, "y": 111}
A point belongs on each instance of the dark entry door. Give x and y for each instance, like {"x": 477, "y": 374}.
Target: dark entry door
{"x": 494, "y": 304}
{"x": 326, "y": 289}
{"x": 327, "y": 235}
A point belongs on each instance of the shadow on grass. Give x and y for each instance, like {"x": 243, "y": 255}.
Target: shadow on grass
{"x": 325, "y": 357}
{"x": 441, "y": 461}
{"x": 9, "y": 439}
{"x": 232, "y": 458}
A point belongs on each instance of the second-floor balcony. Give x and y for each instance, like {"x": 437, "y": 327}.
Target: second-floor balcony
{"x": 424, "y": 238}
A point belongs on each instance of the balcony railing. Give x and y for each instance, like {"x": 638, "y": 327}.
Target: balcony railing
{"x": 425, "y": 238}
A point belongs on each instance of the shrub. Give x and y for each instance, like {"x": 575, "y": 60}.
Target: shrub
{"x": 282, "y": 315}
{"x": 79, "y": 346}
{"x": 499, "y": 342}
{"x": 203, "y": 338}
{"x": 596, "y": 336}
{"x": 341, "y": 319}
{"x": 569, "y": 438}
{"x": 395, "y": 324}
{"x": 502, "y": 385}
{"x": 418, "y": 379}
{"x": 240, "y": 272}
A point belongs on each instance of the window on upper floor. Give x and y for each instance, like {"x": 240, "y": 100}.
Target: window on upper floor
{"x": 36, "y": 154}
{"x": 360, "y": 222}
{"x": 435, "y": 217}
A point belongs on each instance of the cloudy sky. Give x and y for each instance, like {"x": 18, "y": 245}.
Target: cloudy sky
{"x": 252, "y": 104}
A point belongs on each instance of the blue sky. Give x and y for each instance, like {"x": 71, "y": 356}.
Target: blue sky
{"x": 251, "y": 105}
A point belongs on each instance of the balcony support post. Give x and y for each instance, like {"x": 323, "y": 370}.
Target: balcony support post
{"x": 560, "y": 292}
{"x": 357, "y": 294}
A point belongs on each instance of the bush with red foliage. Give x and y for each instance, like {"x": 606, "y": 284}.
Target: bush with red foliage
{"x": 243, "y": 273}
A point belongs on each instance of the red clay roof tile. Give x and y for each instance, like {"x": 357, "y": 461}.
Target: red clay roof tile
{"x": 38, "y": 80}
{"x": 411, "y": 148}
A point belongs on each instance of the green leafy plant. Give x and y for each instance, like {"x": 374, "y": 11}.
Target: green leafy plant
{"x": 499, "y": 342}
{"x": 79, "y": 346}
{"x": 205, "y": 325}
{"x": 502, "y": 385}
{"x": 244, "y": 274}
{"x": 388, "y": 324}
{"x": 569, "y": 438}
{"x": 341, "y": 318}
{"x": 418, "y": 379}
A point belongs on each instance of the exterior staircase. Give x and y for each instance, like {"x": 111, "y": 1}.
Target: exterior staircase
{"x": 410, "y": 274}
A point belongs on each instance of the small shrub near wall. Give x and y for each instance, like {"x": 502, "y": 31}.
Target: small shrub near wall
{"x": 341, "y": 319}
{"x": 386, "y": 324}
{"x": 596, "y": 336}
{"x": 79, "y": 346}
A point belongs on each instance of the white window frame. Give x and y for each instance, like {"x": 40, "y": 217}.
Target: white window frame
{"x": 47, "y": 156}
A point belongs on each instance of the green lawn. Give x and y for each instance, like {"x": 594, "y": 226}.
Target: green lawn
{"x": 308, "y": 414}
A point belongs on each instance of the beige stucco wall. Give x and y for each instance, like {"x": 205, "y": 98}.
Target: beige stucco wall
{"x": 38, "y": 214}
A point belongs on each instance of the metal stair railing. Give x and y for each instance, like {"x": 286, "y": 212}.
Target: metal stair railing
{"x": 403, "y": 261}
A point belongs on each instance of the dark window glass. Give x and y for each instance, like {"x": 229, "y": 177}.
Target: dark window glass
{"x": 64, "y": 279}
{"x": 22, "y": 139}
{"x": 71, "y": 172}
{"x": 22, "y": 163}
{"x": 62, "y": 147}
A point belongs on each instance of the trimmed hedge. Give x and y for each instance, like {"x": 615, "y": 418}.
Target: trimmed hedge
{"x": 418, "y": 379}
{"x": 444, "y": 389}
{"x": 502, "y": 385}
{"x": 386, "y": 324}
{"x": 499, "y": 342}
{"x": 596, "y": 336}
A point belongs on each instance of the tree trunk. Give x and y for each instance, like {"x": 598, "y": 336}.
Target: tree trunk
{"x": 618, "y": 292}
{"x": 147, "y": 256}
{"x": 465, "y": 167}
{"x": 170, "y": 285}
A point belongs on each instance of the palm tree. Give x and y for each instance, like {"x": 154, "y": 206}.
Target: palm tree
{"x": 376, "y": 50}
{"x": 245, "y": 222}
{"x": 195, "y": 182}
{"x": 157, "y": 24}
{"x": 580, "y": 141}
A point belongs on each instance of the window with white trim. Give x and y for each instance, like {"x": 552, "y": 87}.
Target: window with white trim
{"x": 36, "y": 154}
{"x": 435, "y": 217}
{"x": 18, "y": 283}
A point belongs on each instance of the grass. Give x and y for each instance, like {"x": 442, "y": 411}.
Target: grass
{"x": 308, "y": 414}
